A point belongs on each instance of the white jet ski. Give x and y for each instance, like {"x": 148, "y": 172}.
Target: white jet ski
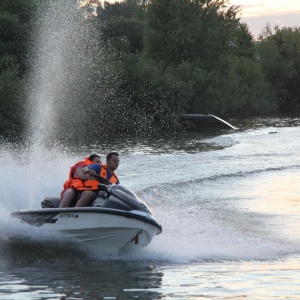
{"x": 117, "y": 220}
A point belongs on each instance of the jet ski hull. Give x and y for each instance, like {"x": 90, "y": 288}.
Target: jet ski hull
{"x": 103, "y": 228}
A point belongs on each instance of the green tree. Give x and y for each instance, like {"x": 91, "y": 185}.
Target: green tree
{"x": 11, "y": 102}
{"x": 14, "y": 30}
{"x": 242, "y": 44}
{"x": 211, "y": 52}
{"x": 196, "y": 31}
{"x": 121, "y": 25}
{"x": 279, "y": 53}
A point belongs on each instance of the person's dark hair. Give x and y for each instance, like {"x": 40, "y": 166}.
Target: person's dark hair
{"x": 93, "y": 156}
{"x": 109, "y": 155}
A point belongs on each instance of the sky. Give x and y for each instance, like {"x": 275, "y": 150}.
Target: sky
{"x": 257, "y": 13}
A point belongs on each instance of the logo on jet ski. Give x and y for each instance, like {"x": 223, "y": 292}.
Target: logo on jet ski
{"x": 68, "y": 215}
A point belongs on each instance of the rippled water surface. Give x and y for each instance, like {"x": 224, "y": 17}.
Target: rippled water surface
{"x": 228, "y": 203}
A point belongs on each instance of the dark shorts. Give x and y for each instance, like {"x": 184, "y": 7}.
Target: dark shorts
{"x": 79, "y": 193}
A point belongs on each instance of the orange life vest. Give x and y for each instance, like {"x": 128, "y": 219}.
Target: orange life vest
{"x": 91, "y": 184}
{"x": 113, "y": 179}
{"x": 77, "y": 183}
{"x": 83, "y": 164}
{"x": 81, "y": 185}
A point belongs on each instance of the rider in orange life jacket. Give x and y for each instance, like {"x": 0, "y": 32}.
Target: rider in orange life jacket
{"x": 76, "y": 177}
{"x": 107, "y": 171}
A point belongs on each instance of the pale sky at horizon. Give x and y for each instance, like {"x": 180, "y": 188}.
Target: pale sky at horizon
{"x": 258, "y": 13}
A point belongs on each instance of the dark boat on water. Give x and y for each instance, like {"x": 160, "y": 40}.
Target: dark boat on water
{"x": 200, "y": 122}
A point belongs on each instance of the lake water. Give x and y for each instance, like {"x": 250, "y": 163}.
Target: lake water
{"x": 228, "y": 203}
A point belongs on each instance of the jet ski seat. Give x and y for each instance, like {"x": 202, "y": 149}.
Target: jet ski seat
{"x": 49, "y": 202}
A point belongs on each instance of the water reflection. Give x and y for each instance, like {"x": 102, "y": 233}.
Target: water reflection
{"x": 187, "y": 142}
{"x": 235, "y": 280}
{"x": 277, "y": 196}
{"x": 64, "y": 273}
{"x": 263, "y": 122}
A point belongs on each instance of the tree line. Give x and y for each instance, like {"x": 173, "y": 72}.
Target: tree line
{"x": 165, "y": 58}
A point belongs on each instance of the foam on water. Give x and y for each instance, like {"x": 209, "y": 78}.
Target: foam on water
{"x": 25, "y": 183}
{"x": 192, "y": 233}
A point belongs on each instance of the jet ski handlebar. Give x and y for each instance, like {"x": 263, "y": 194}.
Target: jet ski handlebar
{"x": 98, "y": 177}
{"x": 102, "y": 180}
